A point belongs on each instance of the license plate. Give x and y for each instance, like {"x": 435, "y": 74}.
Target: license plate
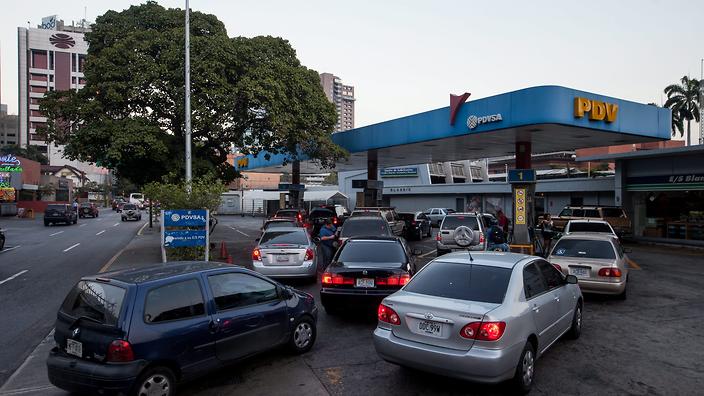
{"x": 282, "y": 259}
{"x": 364, "y": 282}
{"x": 430, "y": 328}
{"x": 579, "y": 272}
{"x": 56, "y": 215}
{"x": 74, "y": 347}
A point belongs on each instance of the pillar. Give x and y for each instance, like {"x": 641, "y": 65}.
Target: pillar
{"x": 373, "y": 188}
{"x": 523, "y": 194}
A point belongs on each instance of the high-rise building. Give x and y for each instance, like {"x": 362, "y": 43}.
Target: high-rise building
{"x": 51, "y": 57}
{"x": 8, "y": 128}
{"x": 343, "y": 98}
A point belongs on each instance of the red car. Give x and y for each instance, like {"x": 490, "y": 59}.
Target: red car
{"x": 88, "y": 209}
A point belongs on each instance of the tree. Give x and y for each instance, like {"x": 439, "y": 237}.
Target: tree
{"x": 31, "y": 153}
{"x": 683, "y": 100}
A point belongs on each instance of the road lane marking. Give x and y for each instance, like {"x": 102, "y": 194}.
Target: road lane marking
{"x": 633, "y": 264}
{"x": 142, "y": 229}
{"x": 429, "y": 253}
{"x": 84, "y": 224}
{"x": 242, "y": 233}
{"x": 56, "y": 233}
{"x": 8, "y": 249}
{"x": 13, "y": 276}
{"x": 71, "y": 247}
{"x": 100, "y": 232}
{"x": 116, "y": 224}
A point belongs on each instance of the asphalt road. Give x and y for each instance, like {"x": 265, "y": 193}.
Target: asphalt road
{"x": 38, "y": 267}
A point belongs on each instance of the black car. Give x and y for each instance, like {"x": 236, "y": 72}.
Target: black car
{"x": 2, "y": 240}
{"x": 417, "y": 225}
{"x": 367, "y": 226}
{"x": 60, "y": 213}
{"x": 132, "y": 330}
{"x": 318, "y": 217}
{"x": 365, "y": 270}
{"x": 88, "y": 209}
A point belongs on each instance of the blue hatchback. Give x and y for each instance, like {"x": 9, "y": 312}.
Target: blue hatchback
{"x": 143, "y": 331}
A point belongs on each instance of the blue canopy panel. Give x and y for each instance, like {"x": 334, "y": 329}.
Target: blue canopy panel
{"x": 552, "y": 118}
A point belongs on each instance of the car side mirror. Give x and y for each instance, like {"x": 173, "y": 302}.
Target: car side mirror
{"x": 417, "y": 252}
{"x": 571, "y": 279}
{"x": 286, "y": 293}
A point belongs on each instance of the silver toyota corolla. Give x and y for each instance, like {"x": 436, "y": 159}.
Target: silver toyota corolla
{"x": 485, "y": 317}
{"x": 285, "y": 253}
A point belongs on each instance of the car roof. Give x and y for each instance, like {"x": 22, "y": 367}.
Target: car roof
{"x": 591, "y": 236}
{"x": 456, "y": 214}
{"x": 279, "y": 229}
{"x": 162, "y": 271}
{"x": 281, "y": 219}
{"x": 492, "y": 259}
{"x": 599, "y": 221}
{"x": 365, "y": 218}
{"x": 374, "y": 239}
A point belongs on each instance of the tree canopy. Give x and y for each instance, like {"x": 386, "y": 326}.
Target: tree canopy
{"x": 683, "y": 100}
{"x": 249, "y": 93}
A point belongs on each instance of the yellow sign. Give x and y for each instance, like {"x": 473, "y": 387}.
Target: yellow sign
{"x": 520, "y": 197}
{"x": 598, "y": 110}
{"x": 242, "y": 162}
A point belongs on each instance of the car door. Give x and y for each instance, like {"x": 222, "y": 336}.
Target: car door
{"x": 564, "y": 296}
{"x": 250, "y": 316}
{"x": 542, "y": 304}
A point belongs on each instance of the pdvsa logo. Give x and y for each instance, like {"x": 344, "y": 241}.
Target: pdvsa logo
{"x": 597, "y": 109}
{"x": 474, "y": 121}
{"x": 175, "y": 217}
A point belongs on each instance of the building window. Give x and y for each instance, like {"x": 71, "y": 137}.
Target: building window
{"x": 51, "y": 60}
{"x": 81, "y": 63}
{"x": 39, "y": 60}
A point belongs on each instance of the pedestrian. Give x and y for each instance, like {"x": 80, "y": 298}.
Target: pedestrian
{"x": 327, "y": 241}
{"x": 75, "y": 205}
{"x": 503, "y": 221}
{"x": 547, "y": 230}
{"x": 496, "y": 239}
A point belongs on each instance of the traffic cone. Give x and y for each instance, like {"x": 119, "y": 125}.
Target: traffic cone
{"x": 223, "y": 250}
{"x": 229, "y": 259}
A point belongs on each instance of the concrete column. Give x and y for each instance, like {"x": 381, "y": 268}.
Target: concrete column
{"x": 523, "y": 155}
{"x": 447, "y": 168}
{"x": 467, "y": 165}
{"x": 372, "y": 194}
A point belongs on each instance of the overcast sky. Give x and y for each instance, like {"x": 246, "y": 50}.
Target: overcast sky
{"x": 407, "y": 56}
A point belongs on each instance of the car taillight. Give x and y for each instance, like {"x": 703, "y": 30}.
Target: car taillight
{"x": 557, "y": 266}
{"x": 388, "y": 315}
{"x": 610, "y": 272}
{"x": 300, "y": 218}
{"x": 483, "y": 331}
{"x": 335, "y": 279}
{"x": 120, "y": 351}
{"x": 438, "y": 237}
{"x": 413, "y": 222}
{"x": 481, "y": 238}
{"x": 394, "y": 280}
{"x": 309, "y": 254}
{"x": 257, "y": 254}
{"x": 334, "y": 220}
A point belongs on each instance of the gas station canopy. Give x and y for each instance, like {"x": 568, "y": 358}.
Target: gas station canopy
{"x": 549, "y": 118}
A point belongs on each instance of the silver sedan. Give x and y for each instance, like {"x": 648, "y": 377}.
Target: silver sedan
{"x": 485, "y": 317}
{"x": 285, "y": 253}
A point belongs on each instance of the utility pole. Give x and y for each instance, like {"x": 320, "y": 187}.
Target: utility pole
{"x": 701, "y": 106}
{"x": 188, "y": 98}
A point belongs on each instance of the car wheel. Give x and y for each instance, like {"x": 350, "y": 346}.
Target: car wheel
{"x": 123, "y": 219}
{"x": 2, "y": 244}
{"x": 525, "y": 371}
{"x": 155, "y": 381}
{"x": 75, "y": 221}
{"x": 576, "y": 328}
{"x": 303, "y": 336}
{"x": 419, "y": 234}
{"x": 46, "y": 224}
{"x": 430, "y": 231}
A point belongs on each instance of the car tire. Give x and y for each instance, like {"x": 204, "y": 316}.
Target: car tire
{"x": 525, "y": 370}
{"x": 2, "y": 244}
{"x": 46, "y": 223}
{"x": 123, "y": 219}
{"x": 160, "y": 377}
{"x": 419, "y": 234}
{"x": 75, "y": 221}
{"x": 302, "y": 336}
{"x": 430, "y": 231}
{"x": 576, "y": 328}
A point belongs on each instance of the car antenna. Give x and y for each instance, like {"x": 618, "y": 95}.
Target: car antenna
{"x": 471, "y": 259}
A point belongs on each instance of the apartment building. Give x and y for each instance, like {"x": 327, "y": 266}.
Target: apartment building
{"x": 343, "y": 97}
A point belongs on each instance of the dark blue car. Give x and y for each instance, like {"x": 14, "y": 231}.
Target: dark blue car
{"x": 143, "y": 331}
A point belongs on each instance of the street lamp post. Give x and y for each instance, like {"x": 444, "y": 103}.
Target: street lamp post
{"x": 188, "y": 98}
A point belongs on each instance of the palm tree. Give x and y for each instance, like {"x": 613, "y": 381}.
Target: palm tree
{"x": 683, "y": 100}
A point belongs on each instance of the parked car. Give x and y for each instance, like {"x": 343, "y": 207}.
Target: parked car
{"x": 131, "y": 212}
{"x": 364, "y": 226}
{"x": 88, "y": 209}
{"x": 60, "y": 213}
{"x": 298, "y": 214}
{"x": 396, "y": 224}
{"x": 484, "y": 318}
{"x": 437, "y": 214}
{"x": 365, "y": 270}
{"x": 445, "y": 239}
{"x": 286, "y": 253}
{"x": 417, "y": 225}
{"x": 318, "y": 216}
{"x": 589, "y": 225}
{"x": 2, "y": 239}
{"x": 597, "y": 260}
{"x": 614, "y": 215}
{"x": 142, "y": 331}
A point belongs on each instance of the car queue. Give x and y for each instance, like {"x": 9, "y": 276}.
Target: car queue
{"x": 471, "y": 313}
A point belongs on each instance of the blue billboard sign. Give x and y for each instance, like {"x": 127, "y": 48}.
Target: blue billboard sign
{"x": 409, "y": 171}
{"x": 185, "y": 218}
{"x": 185, "y": 238}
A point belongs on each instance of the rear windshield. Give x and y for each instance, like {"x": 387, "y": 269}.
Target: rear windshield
{"x": 364, "y": 228}
{"x": 297, "y": 237}
{"x": 589, "y": 227}
{"x": 452, "y": 222}
{"x": 462, "y": 281}
{"x": 366, "y": 213}
{"x": 372, "y": 252}
{"x": 280, "y": 224}
{"x": 85, "y": 205}
{"x": 613, "y": 212}
{"x": 129, "y": 207}
{"x": 287, "y": 213}
{"x": 56, "y": 207}
{"x": 321, "y": 213}
{"x": 584, "y": 248}
{"x": 96, "y": 300}
{"x": 407, "y": 216}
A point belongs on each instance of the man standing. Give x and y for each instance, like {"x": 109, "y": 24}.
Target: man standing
{"x": 503, "y": 221}
{"x": 327, "y": 240}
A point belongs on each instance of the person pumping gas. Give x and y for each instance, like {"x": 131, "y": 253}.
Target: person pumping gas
{"x": 327, "y": 241}
{"x": 496, "y": 238}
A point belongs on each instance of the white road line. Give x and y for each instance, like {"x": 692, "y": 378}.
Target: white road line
{"x": 71, "y": 247}
{"x": 242, "y": 233}
{"x": 100, "y": 232}
{"x": 232, "y": 228}
{"x": 8, "y": 249}
{"x": 13, "y": 276}
{"x": 56, "y": 233}
{"x": 83, "y": 225}
{"x": 116, "y": 224}
{"x": 429, "y": 253}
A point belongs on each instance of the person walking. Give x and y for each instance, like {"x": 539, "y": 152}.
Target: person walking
{"x": 546, "y": 225}
{"x": 327, "y": 240}
{"x": 503, "y": 221}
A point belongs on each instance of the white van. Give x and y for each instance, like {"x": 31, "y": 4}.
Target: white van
{"x": 137, "y": 199}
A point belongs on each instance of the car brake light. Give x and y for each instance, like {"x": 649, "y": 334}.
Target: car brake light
{"x": 413, "y": 222}
{"x": 483, "y": 331}
{"x": 610, "y": 272}
{"x": 120, "y": 351}
{"x": 438, "y": 237}
{"x": 557, "y": 266}
{"x": 257, "y": 254}
{"x": 481, "y": 238}
{"x": 393, "y": 280}
{"x": 335, "y": 279}
{"x": 309, "y": 254}
{"x": 388, "y": 315}
{"x": 334, "y": 220}
{"x": 300, "y": 218}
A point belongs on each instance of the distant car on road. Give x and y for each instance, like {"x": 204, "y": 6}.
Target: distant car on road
{"x": 437, "y": 214}
{"x": 2, "y": 239}
{"x": 141, "y": 332}
{"x": 589, "y": 225}
{"x": 298, "y": 214}
{"x": 445, "y": 239}
{"x": 88, "y": 209}
{"x": 286, "y": 253}
{"x": 60, "y": 213}
{"x": 116, "y": 202}
{"x": 131, "y": 212}
{"x": 364, "y": 226}
{"x": 484, "y": 319}
{"x": 396, "y": 224}
{"x": 417, "y": 225}
{"x": 137, "y": 199}
{"x": 614, "y": 215}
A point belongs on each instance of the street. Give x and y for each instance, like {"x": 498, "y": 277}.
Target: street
{"x": 656, "y": 330}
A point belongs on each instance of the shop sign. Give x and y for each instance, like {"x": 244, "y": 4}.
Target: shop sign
{"x": 668, "y": 179}
{"x": 597, "y": 109}
{"x": 7, "y": 194}
{"x": 5, "y": 180}
{"x": 409, "y": 171}
{"x": 399, "y": 189}
{"x": 474, "y": 121}
{"x": 10, "y": 163}
{"x": 520, "y": 197}
{"x": 242, "y": 162}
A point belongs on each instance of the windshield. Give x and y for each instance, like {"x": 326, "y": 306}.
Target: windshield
{"x": 407, "y": 216}
{"x": 461, "y": 281}
{"x": 55, "y": 207}
{"x": 372, "y": 252}
{"x": 452, "y": 222}
{"x": 96, "y": 300}
{"x": 280, "y": 224}
{"x": 584, "y": 248}
{"x": 129, "y": 207}
{"x": 137, "y": 196}
{"x": 359, "y": 213}
{"x": 287, "y": 213}
{"x": 368, "y": 227}
{"x": 297, "y": 237}
{"x": 590, "y": 227}
{"x": 613, "y": 212}
{"x": 316, "y": 213}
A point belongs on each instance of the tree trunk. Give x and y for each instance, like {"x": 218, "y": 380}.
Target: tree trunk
{"x": 689, "y": 132}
